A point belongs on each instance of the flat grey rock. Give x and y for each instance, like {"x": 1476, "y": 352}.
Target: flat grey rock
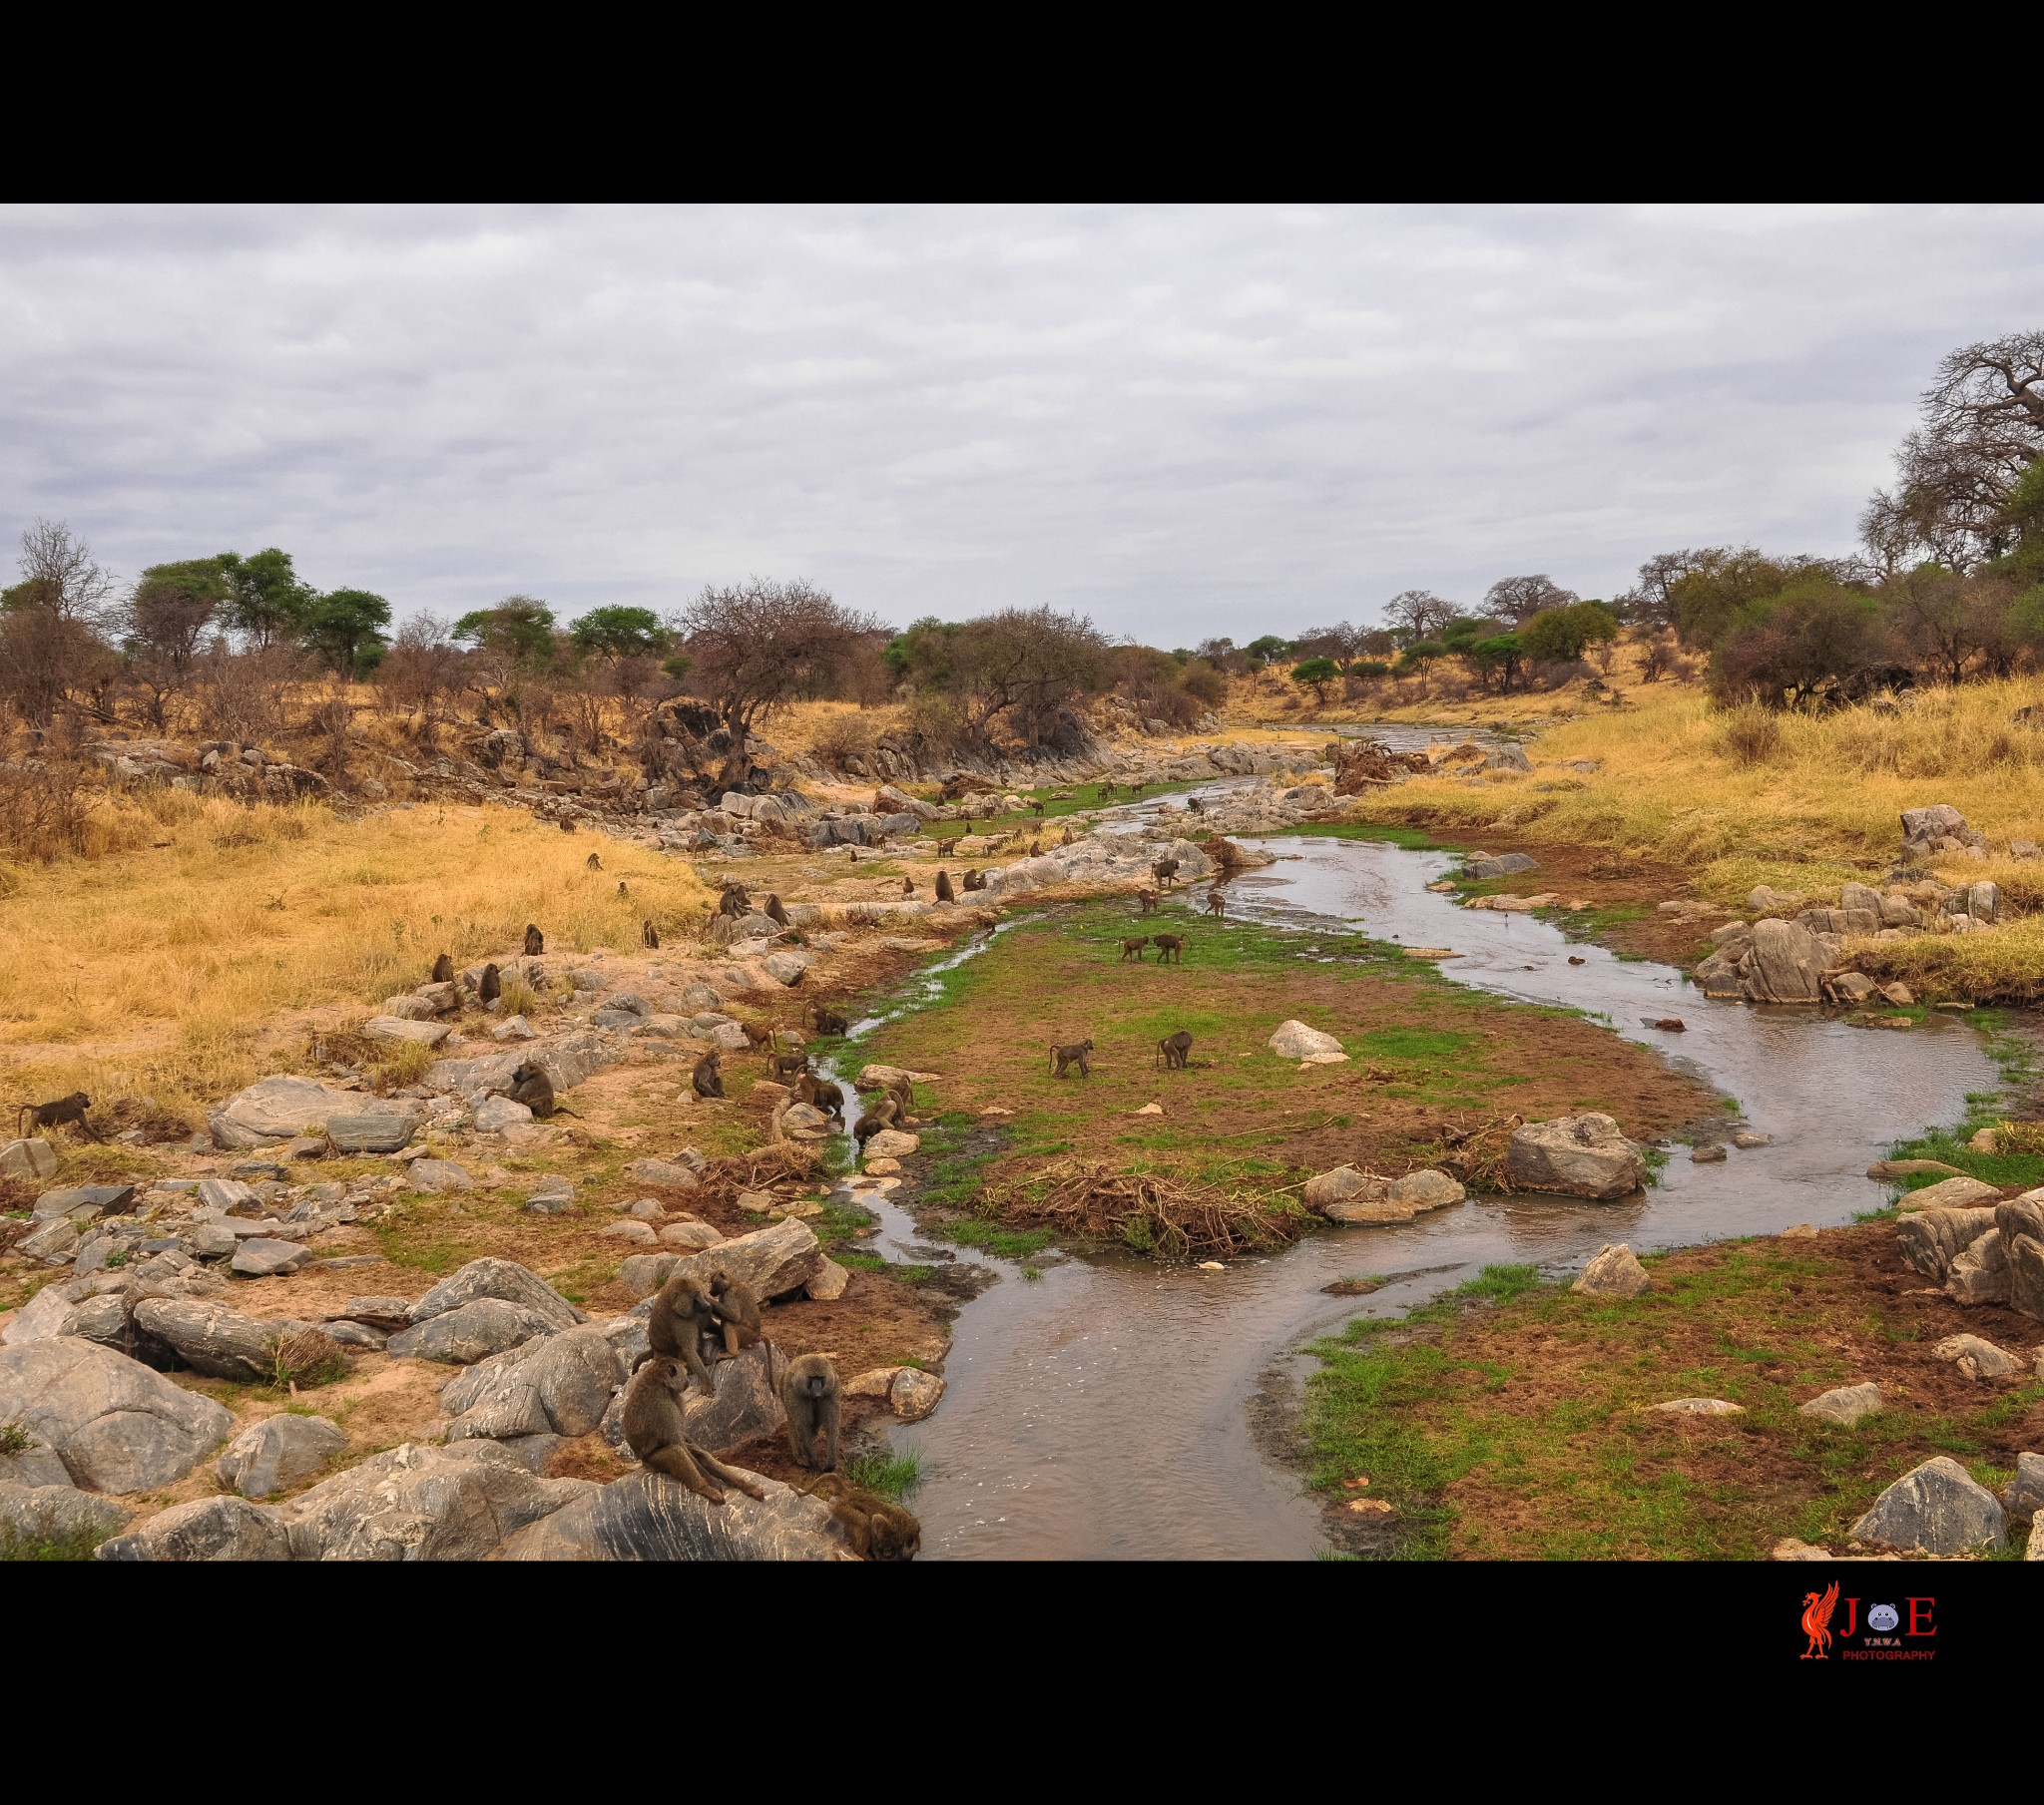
{"x": 435, "y": 1176}
{"x": 648, "y": 1517}
{"x": 217, "y": 1341}
{"x": 116, "y": 1424}
{"x": 1844, "y": 1405}
{"x": 81, "y": 1202}
{"x": 207, "y": 1528}
{"x": 261, "y": 1257}
{"x": 559, "y": 1385}
{"x": 31, "y": 1160}
{"x": 1938, "y": 1508}
{"x": 469, "y": 1332}
{"x": 419, "y": 1503}
{"x": 501, "y": 1278}
{"x": 370, "y": 1134}
{"x": 277, "y": 1453}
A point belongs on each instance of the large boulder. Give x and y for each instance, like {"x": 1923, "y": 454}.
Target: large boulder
{"x": 1952, "y": 1194}
{"x": 283, "y": 1107}
{"x": 1938, "y": 1508}
{"x": 569, "y": 1061}
{"x": 214, "y": 1340}
{"x": 41, "y": 1521}
{"x": 1785, "y": 964}
{"x": 31, "y": 1160}
{"x": 1930, "y": 1239}
{"x": 506, "y": 1279}
{"x": 424, "y": 1504}
{"x": 780, "y": 1258}
{"x": 1577, "y": 1155}
{"x": 116, "y": 1424}
{"x": 1615, "y": 1272}
{"x": 276, "y": 1453}
{"x": 2020, "y": 1223}
{"x": 470, "y": 1332}
{"x": 1979, "y": 1274}
{"x": 649, "y": 1517}
{"x": 560, "y": 1385}
{"x": 1939, "y": 829}
{"x": 1295, "y": 1041}
{"x": 207, "y": 1528}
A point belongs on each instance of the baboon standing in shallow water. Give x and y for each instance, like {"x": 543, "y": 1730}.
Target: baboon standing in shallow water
{"x": 535, "y": 941}
{"x": 1216, "y": 904}
{"x": 1146, "y": 901}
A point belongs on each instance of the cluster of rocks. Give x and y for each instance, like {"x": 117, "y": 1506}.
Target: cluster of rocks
{"x": 1962, "y": 1234}
{"x": 217, "y": 767}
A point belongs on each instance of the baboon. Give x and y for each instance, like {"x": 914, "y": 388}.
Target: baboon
{"x": 622, "y": 891}
{"x": 786, "y": 1065}
{"x": 1067, "y": 840}
{"x": 1216, "y": 904}
{"x": 1106, "y": 788}
{"x": 1133, "y": 949}
{"x": 69, "y": 1109}
{"x": 1169, "y": 947}
{"x": 682, "y": 1320}
{"x": 1063, "y": 1057}
{"x": 1036, "y": 808}
{"x": 827, "y": 1020}
{"x": 489, "y": 987}
{"x": 650, "y": 934}
{"x": 443, "y": 970}
{"x": 1146, "y": 901}
{"x": 909, "y": 886}
{"x": 531, "y": 1086}
{"x": 706, "y": 1080}
{"x": 944, "y": 891}
{"x": 759, "y": 1036}
{"x": 656, "y": 1430}
{"x": 773, "y": 908}
{"x": 535, "y": 941}
{"x": 567, "y": 826}
{"x": 813, "y": 1400}
{"x": 1136, "y": 789}
{"x": 738, "y": 1310}
{"x": 595, "y": 863}
{"x": 875, "y": 1529}
{"x": 736, "y": 899}
{"x": 886, "y": 1113}
{"x": 1173, "y": 1051}
{"x": 973, "y": 880}
{"x": 946, "y": 848}
{"x": 1036, "y": 849}
{"x": 1195, "y": 805}
{"x": 1164, "y": 871}
{"x": 819, "y": 1093}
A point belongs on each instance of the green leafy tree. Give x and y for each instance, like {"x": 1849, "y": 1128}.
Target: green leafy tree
{"x": 170, "y": 607}
{"x": 1501, "y": 654}
{"x": 1315, "y": 675}
{"x": 1267, "y": 650}
{"x": 520, "y": 629}
{"x": 1421, "y": 653}
{"x": 265, "y": 600}
{"x": 612, "y": 633}
{"x": 345, "y": 627}
{"x": 1561, "y": 635}
{"x": 1791, "y": 646}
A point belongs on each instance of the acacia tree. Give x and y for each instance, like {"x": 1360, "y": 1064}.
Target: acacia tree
{"x": 1982, "y": 428}
{"x": 266, "y": 603}
{"x": 1019, "y": 667}
{"x": 759, "y": 645}
{"x": 613, "y": 633}
{"x": 1561, "y": 634}
{"x": 1315, "y": 675}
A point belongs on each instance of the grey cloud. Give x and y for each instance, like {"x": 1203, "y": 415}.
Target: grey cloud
{"x": 1180, "y": 420}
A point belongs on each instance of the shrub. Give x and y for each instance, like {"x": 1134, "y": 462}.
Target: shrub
{"x": 1751, "y": 735}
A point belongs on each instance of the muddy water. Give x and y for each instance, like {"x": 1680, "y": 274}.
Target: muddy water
{"x": 1104, "y": 1408}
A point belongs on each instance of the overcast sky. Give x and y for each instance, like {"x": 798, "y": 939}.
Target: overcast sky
{"x": 1182, "y": 421}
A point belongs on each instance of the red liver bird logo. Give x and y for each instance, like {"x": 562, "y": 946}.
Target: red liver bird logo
{"x": 1817, "y": 1621}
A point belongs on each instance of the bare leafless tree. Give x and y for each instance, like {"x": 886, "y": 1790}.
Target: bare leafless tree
{"x": 1516, "y": 600}
{"x": 1419, "y": 613}
{"x": 760, "y": 644}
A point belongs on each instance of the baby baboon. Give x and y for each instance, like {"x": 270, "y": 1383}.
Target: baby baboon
{"x": 773, "y": 907}
{"x": 1216, "y": 904}
{"x": 1036, "y": 849}
{"x": 909, "y": 886}
{"x": 1107, "y": 786}
{"x": 531, "y": 1086}
{"x": 1133, "y": 949}
{"x": 650, "y": 934}
{"x": 1145, "y": 900}
{"x": 656, "y": 1430}
{"x": 944, "y": 891}
{"x": 738, "y": 1310}
{"x": 827, "y": 1021}
{"x": 875, "y": 1529}
{"x": 1036, "y": 808}
{"x": 1062, "y": 1058}
{"x": 706, "y": 1080}
{"x": 973, "y": 880}
{"x": 535, "y": 941}
{"x": 489, "y": 987}
{"x": 1173, "y": 1051}
{"x": 813, "y": 1400}
{"x": 786, "y": 1065}
{"x": 1164, "y": 871}
{"x": 595, "y": 863}
{"x": 443, "y": 970}
{"x": 946, "y": 848}
{"x": 682, "y": 1320}
{"x": 1169, "y": 947}
{"x": 69, "y": 1109}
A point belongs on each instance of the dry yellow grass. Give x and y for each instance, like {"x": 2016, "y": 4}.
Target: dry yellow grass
{"x": 155, "y": 970}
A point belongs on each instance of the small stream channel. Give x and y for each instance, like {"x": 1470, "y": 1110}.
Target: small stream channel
{"x": 1104, "y": 1410}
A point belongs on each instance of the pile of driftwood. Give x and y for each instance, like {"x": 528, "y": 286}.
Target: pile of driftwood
{"x": 1153, "y": 1212}
{"x": 1476, "y": 1154}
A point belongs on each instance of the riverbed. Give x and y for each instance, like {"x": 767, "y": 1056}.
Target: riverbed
{"x": 1105, "y": 1409}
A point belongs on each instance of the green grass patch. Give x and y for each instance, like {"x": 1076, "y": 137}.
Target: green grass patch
{"x": 893, "y": 1475}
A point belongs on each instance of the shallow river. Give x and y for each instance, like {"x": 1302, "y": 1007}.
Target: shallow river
{"x": 1104, "y": 1410}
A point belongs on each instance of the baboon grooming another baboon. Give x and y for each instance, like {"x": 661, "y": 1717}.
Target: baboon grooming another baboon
{"x": 974, "y": 880}
{"x": 1062, "y": 1058}
{"x": 944, "y": 891}
{"x": 656, "y": 1430}
{"x": 1169, "y": 947}
{"x": 738, "y": 1310}
{"x": 1173, "y": 1050}
{"x": 734, "y": 900}
{"x": 875, "y": 1529}
{"x": 682, "y": 1319}
{"x": 1133, "y": 949}
{"x": 706, "y": 1080}
{"x": 535, "y": 941}
{"x": 813, "y": 1400}
{"x": 69, "y": 1109}
{"x": 650, "y": 934}
{"x": 490, "y": 986}
{"x": 827, "y": 1021}
{"x": 443, "y": 970}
